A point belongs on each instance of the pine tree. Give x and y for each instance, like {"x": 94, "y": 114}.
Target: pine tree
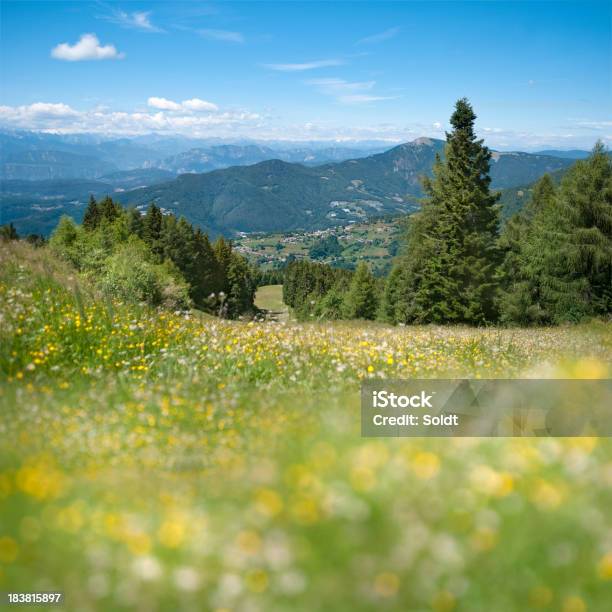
{"x": 527, "y": 238}
{"x": 582, "y": 273}
{"x": 92, "y": 216}
{"x": 452, "y": 252}
{"x": 109, "y": 211}
{"x": 390, "y": 297}
{"x": 151, "y": 230}
{"x": 558, "y": 264}
{"x": 135, "y": 222}
{"x": 206, "y": 268}
{"x": 223, "y": 254}
{"x": 241, "y": 287}
{"x": 362, "y": 298}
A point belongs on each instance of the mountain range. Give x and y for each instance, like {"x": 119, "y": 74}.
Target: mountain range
{"x": 255, "y": 188}
{"x": 40, "y": 156}
{"x": 278, "y": 196}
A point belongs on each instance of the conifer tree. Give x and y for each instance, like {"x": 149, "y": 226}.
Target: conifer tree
{"x": 135, "y": 223}
{"x": 206, "y": 268}
{"x": 241, "y": 287}
{"x": 92, "y": 216}
{"x": 223, "y": 254}
{"x": 558, "y": 264}
{"x": 362, "y": 299}
{"x": 586, "y": 199}
{"x": 109, "y": 211}
{"x": 152, "y": 228}
{"x": 452, "y": 252}
{"x": 527, "y": 238}
{"x": 390, "y": 297}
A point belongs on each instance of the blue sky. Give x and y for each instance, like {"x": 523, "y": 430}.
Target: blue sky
{"x": 538, "y": 73}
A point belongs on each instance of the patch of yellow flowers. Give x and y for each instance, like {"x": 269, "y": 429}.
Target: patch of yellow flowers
{"x": 169, "y": 461}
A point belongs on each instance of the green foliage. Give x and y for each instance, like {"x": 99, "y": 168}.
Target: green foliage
{"x": 67, "y": 240}
{"x": 306, "y": 283}
{"x": 558, "y": 251}
{"x": 326, "y": 247}
{"x": 272, "y": 276}
{"x": 158, "y": 259}
{"x": 130, "y": 275}
{"x": 92, "y": 216}
{"x": 278, "y": 196}
{"x": 390, "y": 299}
{"x": 241, "y": 287}
{"x": 361, "y": 301}
{"x": 8, "y": 232}
{"x": 152, "y": 230}
{"x": 452, "y": 253}
{"x": 526, "y": 239}
{"x": 331, "y": 306}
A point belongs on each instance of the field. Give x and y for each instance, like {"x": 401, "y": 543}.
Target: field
{"x": 270, "y": 297}
{"x": 163, "y": 461}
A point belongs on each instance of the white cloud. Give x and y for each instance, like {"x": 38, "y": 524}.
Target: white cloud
{"x": 379, "y": 37}
{"x": 437, "y": 125}
{"x": 139, "y": 20}
{"x": 348, "y": 92}
{"x": 596, "y": 125}
{"x": 38, "y": 110}
{"x": 46, "y": 109}
{"x": 88, "y": 48}
{"x": 195, "y": 104}
{"x": 363, "y": 98}
{"x": 163, "y": 104}
{"x": 337, "y": 86}
{"x": 222, "y": 35}
{"x": 305, "y": 66}
{"x": 61, "y": 118}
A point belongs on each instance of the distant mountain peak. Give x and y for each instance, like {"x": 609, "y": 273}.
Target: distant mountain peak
{"x": 423, "y": 140}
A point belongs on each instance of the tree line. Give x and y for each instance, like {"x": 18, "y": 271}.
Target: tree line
{"x": 156, "y": 258}
{"x": 550, "y": 263}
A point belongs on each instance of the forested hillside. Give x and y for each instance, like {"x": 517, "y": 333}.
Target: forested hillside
{"x": 278, "y": 196}
{"x": 550, "y": 263}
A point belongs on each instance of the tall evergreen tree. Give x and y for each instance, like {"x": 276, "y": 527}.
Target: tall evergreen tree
{"x": 362, "y": 298}
{"x": 135, "y": 222}
{"x": 92, "y": 216}
{"x": 241, "y": 287}
{"x": 223, "y": 254}
{"x": 109, "y": 211}
{"x": 206, "y": 268}
{"x": 586, "y": 198}
{"x": 151, "y": 230}
{"x": 390, "y": 297}
{"x": 452, "y": 252}
{"x": 558, "y": 264}
{"x": 526, "y": 239}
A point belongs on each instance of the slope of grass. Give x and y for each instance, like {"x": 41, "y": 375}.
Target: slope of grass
{"x": 270, "y": 297}
{"x": 159, "y": 461}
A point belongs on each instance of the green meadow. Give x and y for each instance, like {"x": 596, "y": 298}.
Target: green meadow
{"x": 152, "y": 460}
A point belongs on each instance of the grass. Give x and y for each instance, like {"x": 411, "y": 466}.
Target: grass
{"x": 160, "y": 461}
{"x": 270, "y": 297}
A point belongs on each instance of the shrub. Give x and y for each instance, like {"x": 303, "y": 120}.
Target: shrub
{"x": 130, "y": 276}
